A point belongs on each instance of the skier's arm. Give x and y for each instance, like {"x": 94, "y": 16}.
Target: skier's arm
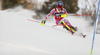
{"x": 52, "y": 12}
{"x": 65, "y": 12}
{"x": 44, "y": 21}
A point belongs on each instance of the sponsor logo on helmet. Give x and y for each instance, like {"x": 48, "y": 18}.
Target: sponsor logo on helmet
{"x": 60, "y": 4}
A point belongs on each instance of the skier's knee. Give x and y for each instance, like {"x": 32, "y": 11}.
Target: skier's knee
{"x": 74, "y": 28}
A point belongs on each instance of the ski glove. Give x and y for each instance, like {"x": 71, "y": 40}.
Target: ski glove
{"x": 64, "y": 15}
{"x": 43, "y": 22}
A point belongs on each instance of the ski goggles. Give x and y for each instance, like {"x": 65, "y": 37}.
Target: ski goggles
{"x": 59, "y": 6}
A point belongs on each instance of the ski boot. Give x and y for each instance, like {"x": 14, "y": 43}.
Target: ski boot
{"x": 72, "y": 32}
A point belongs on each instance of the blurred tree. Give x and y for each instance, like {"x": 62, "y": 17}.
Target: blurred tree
{"x": 70, "y": 5}
{"x": 28, "y": 4}
{"x": 90, "y": 8}
{"x": 9, "y": 3}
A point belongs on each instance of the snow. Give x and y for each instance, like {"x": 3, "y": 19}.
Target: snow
{"x": 18, "y": 36}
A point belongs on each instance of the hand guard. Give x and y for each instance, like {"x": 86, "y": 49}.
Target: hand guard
{"x": 43, "y": 22}
{"x": 64, "y": 15}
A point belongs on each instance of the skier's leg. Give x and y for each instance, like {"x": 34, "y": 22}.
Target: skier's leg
{"x": 75, "y": 29}
{"x": 72, "y": 27}
{"x": 67, "y": 25}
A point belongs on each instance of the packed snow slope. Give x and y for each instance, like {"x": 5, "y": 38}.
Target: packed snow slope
{"x": 19, "y": 36}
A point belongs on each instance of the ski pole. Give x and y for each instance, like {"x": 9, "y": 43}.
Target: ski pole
{"x": 80, "y": 15}
{"x": 33, "y": 20}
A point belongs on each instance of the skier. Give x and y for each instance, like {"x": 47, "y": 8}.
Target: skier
{"x": 58, "y": 12}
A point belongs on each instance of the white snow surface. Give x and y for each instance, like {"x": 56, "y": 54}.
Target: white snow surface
{"x": 19, "y": 36}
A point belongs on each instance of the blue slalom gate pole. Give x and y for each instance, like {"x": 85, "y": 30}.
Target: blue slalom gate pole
{"x": 95, "y": 27}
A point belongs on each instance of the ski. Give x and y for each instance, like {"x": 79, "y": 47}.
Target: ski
{"x": 71, "y": 29}
{"x": 55, "y": 26}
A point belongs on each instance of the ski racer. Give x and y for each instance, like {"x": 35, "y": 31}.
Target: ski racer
{"x": 58, "y": 12}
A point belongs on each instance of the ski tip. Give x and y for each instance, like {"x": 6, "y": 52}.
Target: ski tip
{"x": 84, "y": 36}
